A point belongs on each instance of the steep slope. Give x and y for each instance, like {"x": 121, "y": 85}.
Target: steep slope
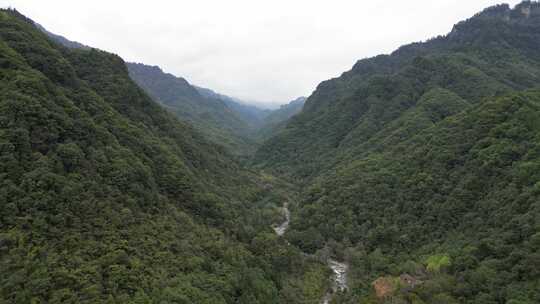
{"x": 230, "y": 125}
{"x": 107, "y": 197}
{"x": 492, "y": 53}
{"x": 61, "y": 39}
{"x": 278, "y": 119}
{"x": 209, "y": 115}
{"x": 421, "y": 167}
{"x": 467, "y": 188}
{"x": 238, "y": 126}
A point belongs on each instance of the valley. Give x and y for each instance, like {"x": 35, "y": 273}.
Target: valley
{"x": 412, "y": 178}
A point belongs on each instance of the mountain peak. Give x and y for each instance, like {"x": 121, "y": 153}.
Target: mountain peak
{"x": 528, "y": 9}
{"x": 523, "y": 10}
{"x": 499, "y": 10}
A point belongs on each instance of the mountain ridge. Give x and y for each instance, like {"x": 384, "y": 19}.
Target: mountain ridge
{"x": 226, "y": 120}
{"x": 421, "y": 165}
{"x": 418, "y": 56}
{"x": 108, "y": 198}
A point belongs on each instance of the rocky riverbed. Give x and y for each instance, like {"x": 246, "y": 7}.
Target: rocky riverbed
{"x": 280, "y": 230}
{"x": 339, "y": 279}
{"x": 339, "y": 269}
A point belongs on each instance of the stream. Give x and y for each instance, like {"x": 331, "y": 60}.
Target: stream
{"x": 280, "y": 230}
{"x": 339, "y": 269}
{"x": 339, "y": 279}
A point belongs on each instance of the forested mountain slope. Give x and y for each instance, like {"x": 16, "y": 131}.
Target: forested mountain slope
{"x": 490, "y": 54}
{"x": 251, "y": 114}
{"x": 208, "y": 114}
{"x": 467, "y": 188}
{"x": 107, "y": 197}
{"x": 421, "y": 167}
{"x": 238, "y": 126}
{"x": 221, "y": 118}
{"x": 278, "y": 118}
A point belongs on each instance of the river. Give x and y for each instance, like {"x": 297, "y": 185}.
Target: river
{"x": 339, "y": 269}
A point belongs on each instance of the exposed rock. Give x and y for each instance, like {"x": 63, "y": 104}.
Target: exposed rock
{"x": 280, "y": 230}
{"x": 340, "y": 275}
{"x": 339, "y": 279}
{"x": 526, "y": 11}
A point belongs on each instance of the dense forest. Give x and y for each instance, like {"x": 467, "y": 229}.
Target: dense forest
{"x": 421, "y": 168}
{"x": 277, "y": 120}
{"x": 231, "y": 122}
{"x": 208, "y": 114}
{"x": 107, "y": 197}
{"x": 228, "y": 121}
{"x": 417, "y": 173}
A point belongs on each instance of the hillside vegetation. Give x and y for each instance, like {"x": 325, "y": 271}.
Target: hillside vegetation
{"x": 107, "y": 198}
{"x": 417, "y": 173}
{"x": 227, "y": 121}
{"x": 278, "y": 119}
{"x": 425, "y": 163}
{"x": 211, "y": 116}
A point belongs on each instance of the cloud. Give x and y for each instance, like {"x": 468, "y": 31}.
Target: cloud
{"x": 271, "y": 51}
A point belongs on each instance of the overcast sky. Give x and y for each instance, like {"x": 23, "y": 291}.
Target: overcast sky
{"x": 265, "y": 51}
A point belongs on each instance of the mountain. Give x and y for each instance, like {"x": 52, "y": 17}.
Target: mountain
{"x": 420, "y": 168}
{"x": 415, "y": 176}
{"x": 106, "y": 197}
{"x": 61, "y": 39}
{"x": 208, "y": 114}
{"x": 277, "y": 119}
{"x": 251, "y": 114}
{"x": 493, "y": 53}
{"x": 224, "y": 120}
{"x": 238, "y": 125}
{"x": 229, "y": 121}
{"x": 466, "y": 189}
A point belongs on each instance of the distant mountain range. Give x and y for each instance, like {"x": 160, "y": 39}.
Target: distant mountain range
{"x": 277, "y": 119}
{"x": 211, "y": 115}
{"x": 253, "y": 115}
{"x": 225, "y": 120}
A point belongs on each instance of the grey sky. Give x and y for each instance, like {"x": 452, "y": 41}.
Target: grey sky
{"x": 271, "y": 51}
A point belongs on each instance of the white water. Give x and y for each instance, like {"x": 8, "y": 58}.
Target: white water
{"x": 280, "y": 230}
{"x": 339, "y": 276}
{"x": 339, "y": 279}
